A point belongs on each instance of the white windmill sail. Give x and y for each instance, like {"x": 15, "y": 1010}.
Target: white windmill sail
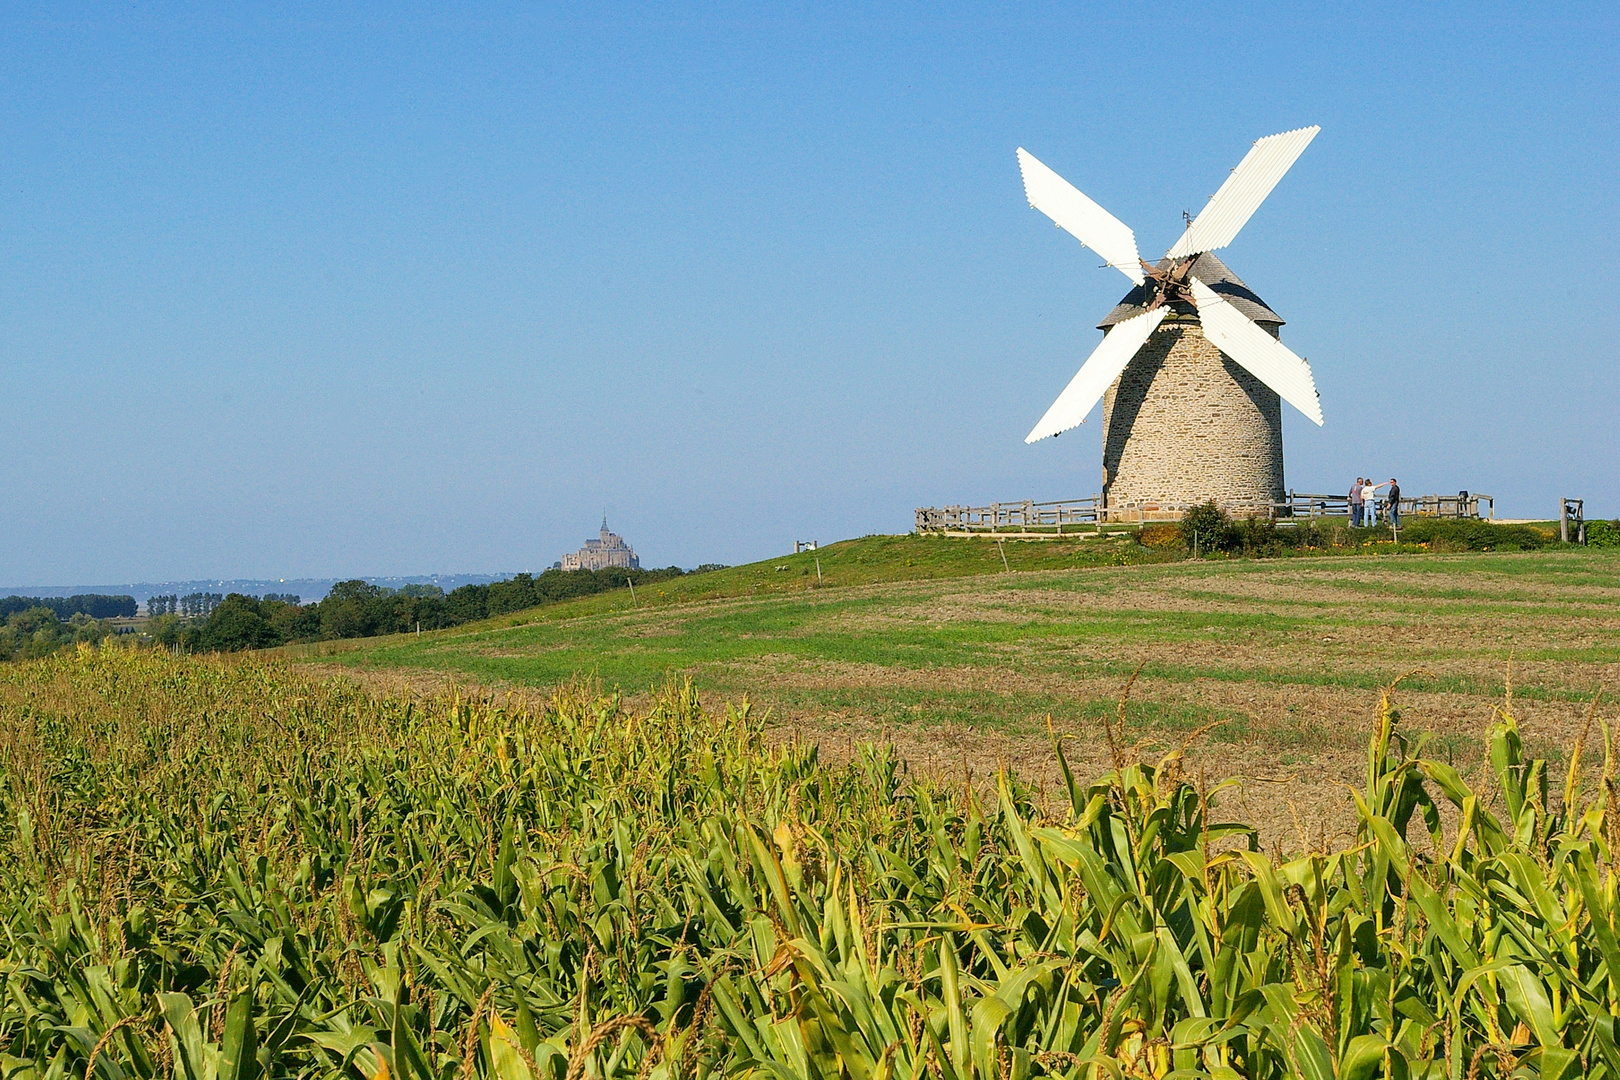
{"x": 1266, "y": 358}
{"x": 1099, "y": 371}
{"x": 1230, "y": 208}
{"x": 1093, "y": 226}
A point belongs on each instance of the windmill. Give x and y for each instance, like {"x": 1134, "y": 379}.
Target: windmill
{"x": 1190, "y": 368}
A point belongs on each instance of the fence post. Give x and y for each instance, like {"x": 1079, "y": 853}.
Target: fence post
{"x": 1569, "y": 509}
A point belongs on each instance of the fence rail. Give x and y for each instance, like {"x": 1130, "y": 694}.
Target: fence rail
{"x": 1464, "y": 504}
{"x": 1015, "y": 515}
{"x": 1052, "y": 517}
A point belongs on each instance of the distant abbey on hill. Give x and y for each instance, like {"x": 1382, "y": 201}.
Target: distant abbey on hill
{"x": 608, "y": 549}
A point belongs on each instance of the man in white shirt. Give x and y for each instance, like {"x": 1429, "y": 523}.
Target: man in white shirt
{"x": 1369, "y": 499}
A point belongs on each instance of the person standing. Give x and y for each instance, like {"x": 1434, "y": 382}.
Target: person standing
{"x": 1355, "y": 502}
{"x": 1369, "y": 503}
{"x": 1394, "y": 503}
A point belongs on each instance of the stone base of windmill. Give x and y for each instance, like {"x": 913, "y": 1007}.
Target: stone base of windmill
{"x": 1184, "y": 424}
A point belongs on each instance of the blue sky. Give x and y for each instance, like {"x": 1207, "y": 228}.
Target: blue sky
{"x": 290, "y": 291}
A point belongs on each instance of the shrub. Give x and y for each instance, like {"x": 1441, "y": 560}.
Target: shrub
{"x": 1163, "y": 537}
{"x": 1603, "y": 534}
{"x": 1311, "y": 534}
{"x": 1207, "y": 528}
{"x": 1442, "y": 534}
{"x": 1443, "y": 544}
{"x": 1258, "y": 535}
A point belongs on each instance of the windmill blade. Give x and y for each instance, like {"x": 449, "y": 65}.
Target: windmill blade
{"x": 1093, "y": 226}
{"x": 1101, "y": 368}
{"x": 1231, "y": 207}
{"x": 1266, "y": 358}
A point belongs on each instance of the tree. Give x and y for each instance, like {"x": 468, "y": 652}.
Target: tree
{"x": 349, "y": 610}
{"x": 422, "y": 592}
{"x": 292, "y": 622}
{"x": 237, "y": 623}
{"x": 94, "y": 605}
{"x": 86, "y": 629}
{"x": 165, "y": 629}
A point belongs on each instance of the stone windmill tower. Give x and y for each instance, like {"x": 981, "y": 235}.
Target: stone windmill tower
{"x": 1190, "y": 370}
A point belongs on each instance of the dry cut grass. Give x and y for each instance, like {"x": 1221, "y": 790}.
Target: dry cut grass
{"x": 1286, "y": 658}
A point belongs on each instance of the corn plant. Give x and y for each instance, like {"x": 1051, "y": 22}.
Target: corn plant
{"x": 218, "y": 869}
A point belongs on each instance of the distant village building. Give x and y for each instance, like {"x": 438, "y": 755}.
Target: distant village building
{"x": 609, "y": 549}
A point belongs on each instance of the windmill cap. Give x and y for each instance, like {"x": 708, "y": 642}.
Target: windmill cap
{"x": 1212, "y": 272}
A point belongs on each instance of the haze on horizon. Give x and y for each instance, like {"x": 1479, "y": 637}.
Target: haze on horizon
{"x": 294, "y": 292}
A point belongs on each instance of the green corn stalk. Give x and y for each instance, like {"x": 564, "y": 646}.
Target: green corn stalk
{"x": 228, "y": 869}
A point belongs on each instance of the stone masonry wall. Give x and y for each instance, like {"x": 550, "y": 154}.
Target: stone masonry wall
{"x": 1184, "y": 423}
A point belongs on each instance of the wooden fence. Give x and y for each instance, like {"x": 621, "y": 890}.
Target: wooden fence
{"x": 1020, "y": 516}
{"x": 1052, "y": 518}
{"x": 1464, "y": 504}
{"x": 1571, "y": 519}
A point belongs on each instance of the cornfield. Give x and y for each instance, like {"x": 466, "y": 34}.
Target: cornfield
{"x": 224, "y": 870}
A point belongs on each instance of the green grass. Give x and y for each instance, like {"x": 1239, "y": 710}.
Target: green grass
{"x": 912, "y": 630}
{"x": 874, "y": 560}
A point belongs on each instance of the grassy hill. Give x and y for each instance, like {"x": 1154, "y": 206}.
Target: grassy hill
{"x": 869, "y": 560}
{"x": 934, "y": 644}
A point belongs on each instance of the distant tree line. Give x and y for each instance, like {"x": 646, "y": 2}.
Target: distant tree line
{"x": 189, "y": 606}
{"x": 355, "y": 609}
{"x": 94, "y": 605}
{"x": 193, "y": 604}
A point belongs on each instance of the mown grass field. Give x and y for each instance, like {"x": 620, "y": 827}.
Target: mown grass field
{"x": 931, "y": 644}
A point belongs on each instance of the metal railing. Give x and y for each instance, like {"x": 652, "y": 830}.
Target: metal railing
{"x": 1051, "y": 517}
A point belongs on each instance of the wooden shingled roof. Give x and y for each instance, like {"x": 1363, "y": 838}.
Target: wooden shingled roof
{"x": 1212, "y": 272}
